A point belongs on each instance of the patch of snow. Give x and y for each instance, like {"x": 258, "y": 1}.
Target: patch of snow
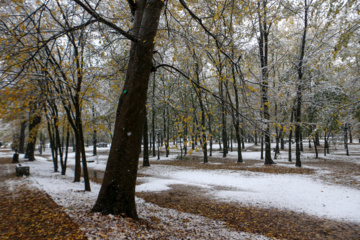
{"x": 288, "y": 191}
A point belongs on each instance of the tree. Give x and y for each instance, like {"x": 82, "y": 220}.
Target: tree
{"x": 263, "y": 41}
{"x": 34, "y": 121}
{"x": 117, "y": 194}
{"x": 299, "y": 84}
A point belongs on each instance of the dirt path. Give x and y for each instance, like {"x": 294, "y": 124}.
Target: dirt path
{"x": 28, "y": 213}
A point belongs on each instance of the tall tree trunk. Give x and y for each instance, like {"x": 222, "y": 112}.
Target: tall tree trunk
{"x": 262, "y": 146}
{"x": 77, "y": 171}
{"x": 83, "y": 157}
{"x": 193, "y": 135}
{"x": 94, "y": 131}
{"x": 290, "y": 136}
{"x": 150, "y": 142}
{"x": 167, "y": 144}
{"x": 146, "y": 162}
{"x": 256, "y": 138}
{"x": 63, "y": 167}
{"x": 350, "y": 134}
{"x": 277, "y": 147}
{"x": 181, "y": 149}
{"x": 242, "y": 137}
{"x": 282, "y": 142}
{"x": 300, "y": 89}
{"x": 223, "y": 121}
{"x": 41, "y": 142}
{"x": 210, "y": 136}
{"x": 277, "y": 137}
{"x": 325, "y": 143}
{"x": 346, "y": 145}
{"x": 185, "y": 137}
{"x": 203, "y": 133}
{"x": 316, "y": 150}
{"x": 52, "y": 144}
{"x": 263, "y": 53}
{"x": 94, "y": 142}
{"x": 22, "y": 136}
{"x": 198, "y": 92}
{"x": 317, "y": 139}
{"x": 231, "y": 139}
{"x": 236, "y": 117}
{"x": 58, "y": 145}
{"x": 34, "y": 121}
{"x": 117, "y": 194}
{"x": 164, "y": 131}
{"x": 153, "y": 118}
{"x": 238, "y": 139}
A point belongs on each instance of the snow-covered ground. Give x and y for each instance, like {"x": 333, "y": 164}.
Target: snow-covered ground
{"x": 293, "y": 192}
{"x": 300, "y": 193}
{"x": 77, "y": 204}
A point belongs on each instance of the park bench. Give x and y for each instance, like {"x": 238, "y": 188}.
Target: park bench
{"x": 22, "y": 170}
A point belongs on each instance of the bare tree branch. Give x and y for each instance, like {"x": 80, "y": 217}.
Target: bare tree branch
{"x": 104, "y": 21}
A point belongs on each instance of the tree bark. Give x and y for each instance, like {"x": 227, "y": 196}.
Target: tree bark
{"x": 34, "y": 121}
{"x": 346, "y": 145}
{"x": 300, "y": 70}
{"x": 146, "y": 162}
{"x": 290, "y": 137}
{"x": 198, "y": 92}
{"x": 350, "y": 134}
{"x": 153, "y": 119}
{"x": 63, "y": 166}
{"x": 52, "y": 144}
{"x": 223, "y": 121}
{"x": 316, "y": 150}
{"x": 57, "y": 146}
{"x": 94, "y": 133}
{"x": 236, "y": 117}
{"x": 262, "y": 146}
{"x": 167, "y": 144}
{"x": 22, "y": 137}
{"x": 263, "y": 53}
{"x": 210, "y": 135}
{"x": 277, "y": 147}
{"x": 325, "y": 143}
{"x": 256, "y": 138}
{"x": 117, "y": 194}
